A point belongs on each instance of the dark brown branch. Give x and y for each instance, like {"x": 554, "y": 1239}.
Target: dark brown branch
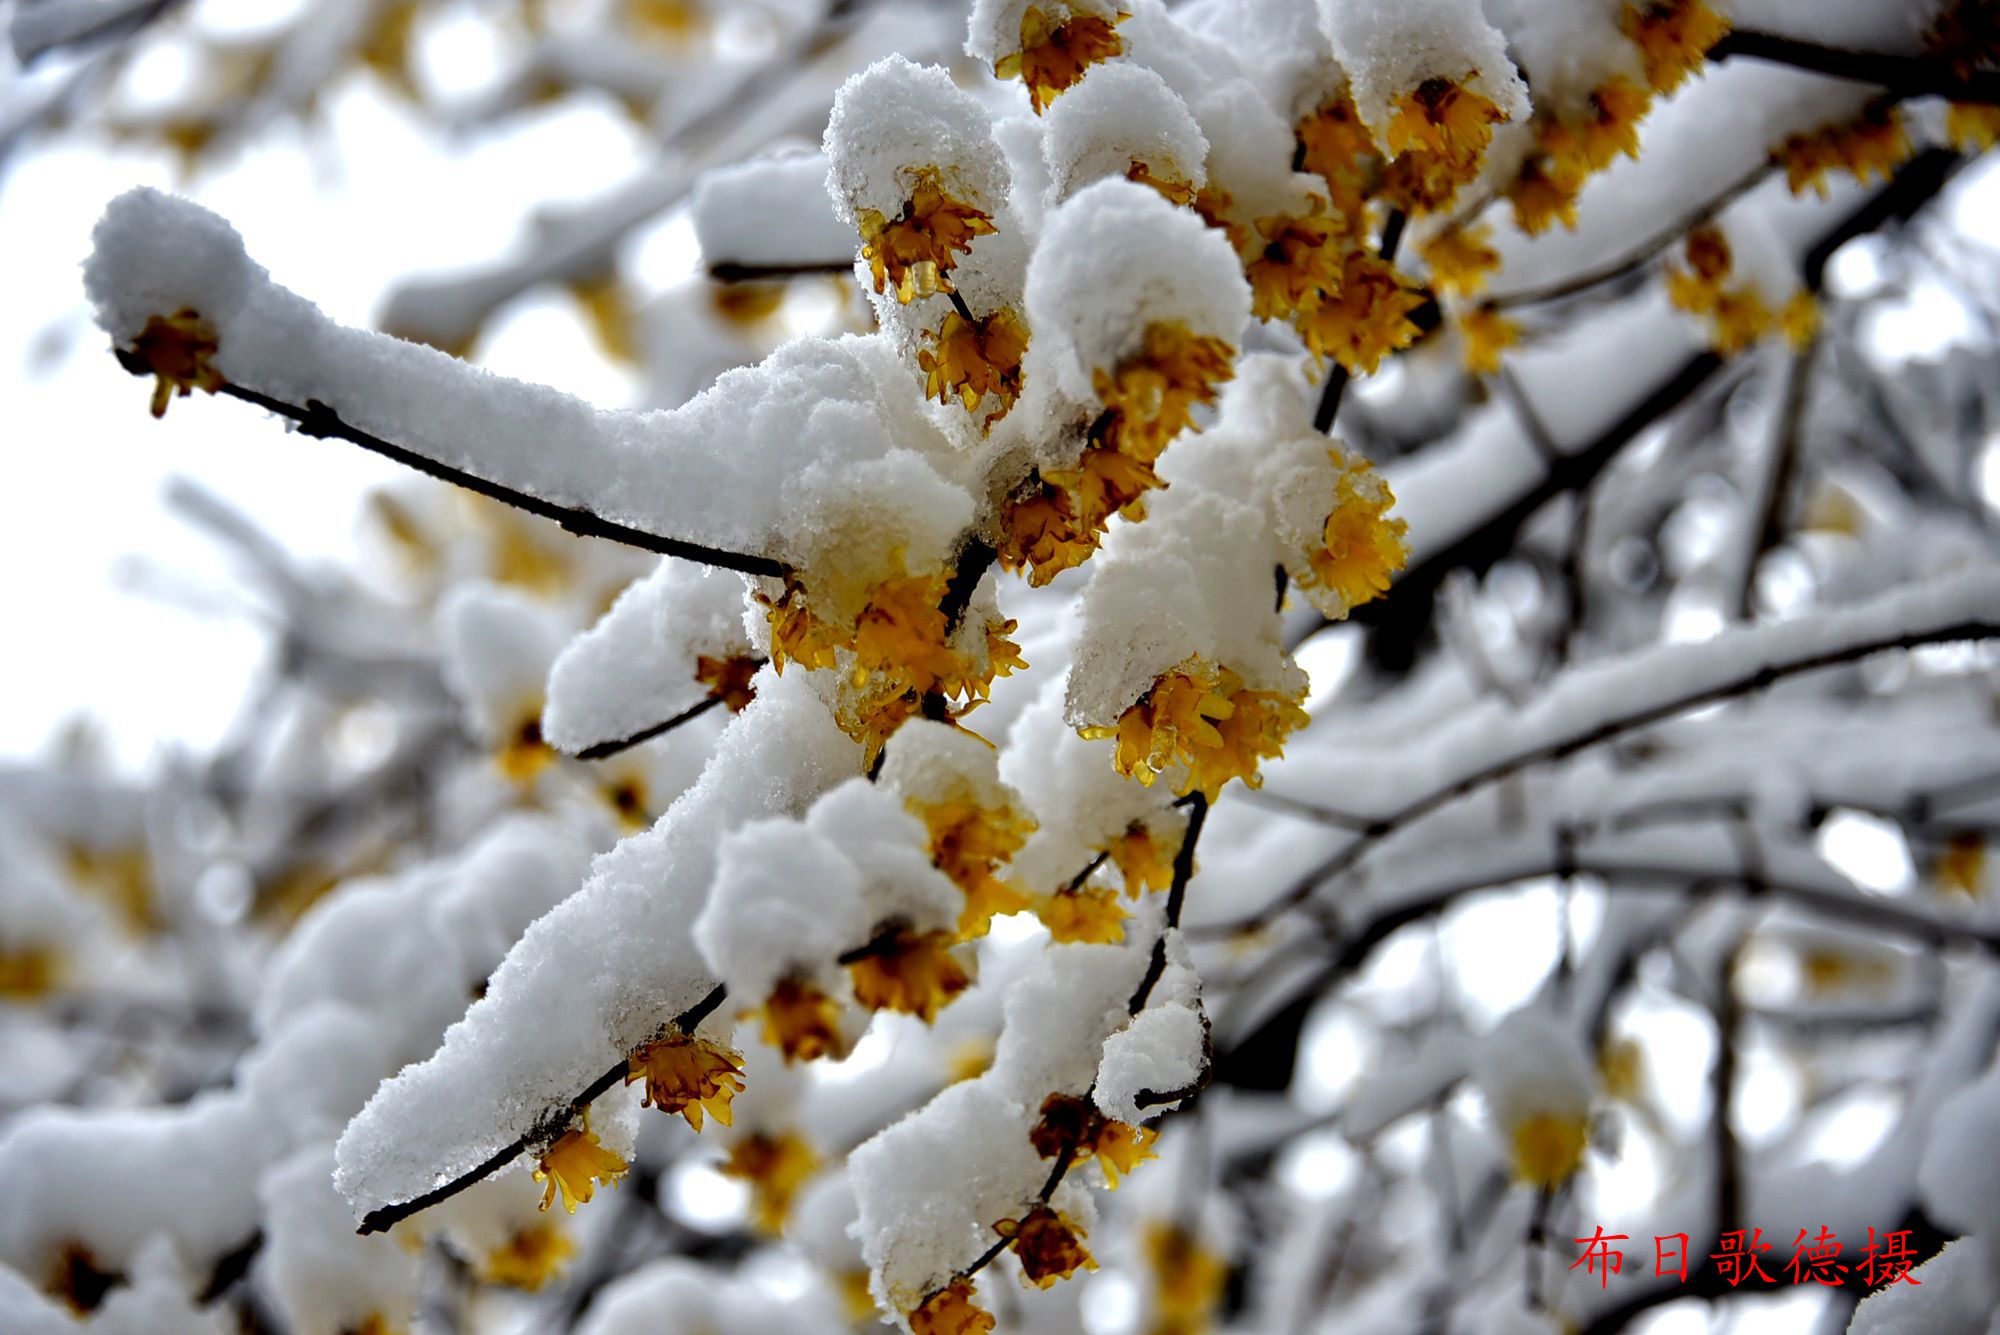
{"x": 318, "y": 420}
{"x": 601, "y": 750}
{"x": 727, "y": 272}
{"x": 1907, "y": 76}
{"x": 1176, "y": 897}
{"x": 551, "y": 1125}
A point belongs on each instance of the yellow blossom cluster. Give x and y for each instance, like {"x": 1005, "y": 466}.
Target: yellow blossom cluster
{"x": 177, "y": 349}
{"x": 775, "y": 1167}
{"x": 970, "y": 843}
{"x": 530, "y": 1258}
{"x": 1736, "y": 314}
{"x": 1073, "y": 1126}
{"x": 911, "y": 972}
{"x": 1187, "y": 1280}
{"x": 574, "y": 1164}
{"x": 896, "y": 647}
{"x": 1202, "y": 717}
{"x": 1872, "y": 145}
{"x": 971, "y": 358}
{"x": 1056, "y": 520}
{"x": 1361, "y": 548}
{"x": 688, "y": 1075}
{"x": 1054, "y": 55}
{"x": 914, "y": 253}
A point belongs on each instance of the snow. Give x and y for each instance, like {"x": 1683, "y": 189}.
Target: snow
{"x": 1117, "y": 117}
{"x": 1388, "y": 50}
{"x": 770, "y": 211}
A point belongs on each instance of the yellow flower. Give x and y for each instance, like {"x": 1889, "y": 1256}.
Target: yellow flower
{"x": 1616, "y": 108}
{"x": 1040, "y": 534}
{"x": 1073, "y": 1125}
{"x": 1172, "y": 189}
{"x": 1153, "y": 393}
{"x": 1798, "y": 318}
{"x": 1445, "y": 119}
{"x": 1974, "y": 129}
{"x": 1548, "y": 1149}
{"x": 1487, "y": 334}
{"x": 1297, "y": 260}
{"x": 28, "y": 972}
{"x": 901, "y": 633}
{"x": 1673, "y": 36}
{"x": 1366, "y": 320}
{"x": 176, "y": 349}
{"x": 969, "y": 843}
{"x": 608, "y": 311}
{"x": 1053, "y": 56}
{"x": 798, "y": 635}
{"x": 916, "y": 251}
{"x": 748, "y": 304}
{"x": 523, "y": 754}
{"x": 912, "y": 972}
{"x": 574, "y": 1165}
{"x": 1621, "y": 1069}
{"x": 975, "y": 358}
{"x": 951, "y": 1311}
{"x": 1828, "y": 972}
{"x": 775, "y": 1167}
{"x": 1188, "y": 1279}
{"x": 672, "y": 22}
{"x": 802, "y": 1022}
{"x": 1872, "y": 145}
{"x": 1335, "y": 146}
{"x": 1106, "y": 482}
{"x": 1205, "y": 718}
{"x": 1459, "y": 259}
{"x": 372, "y": 1324}
{"x": 1545, "y": 192}
{"x": 1960, "y": 867}
{"x": 529, "y": 1259}
{"x": 1086, "y": 914}
{"x": 686, "y": 1075}
{"x": 727, "y": 679}
{"x": 1143, "y": 862}
{"x": 1048, "y": 1245}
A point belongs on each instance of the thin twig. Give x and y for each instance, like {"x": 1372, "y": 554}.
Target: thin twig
{"x": 1908, "y": 76}
{"x": 601, "y": 750}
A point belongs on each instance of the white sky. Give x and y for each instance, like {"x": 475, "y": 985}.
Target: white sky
{"x": 339, "y": 215}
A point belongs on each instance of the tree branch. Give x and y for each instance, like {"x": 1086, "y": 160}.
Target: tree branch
{"x": 552, "y": 1124}
{"x": 318, "y": 420}
{"x": 602, "y": 750}
{"x": 1335, "y": 388}
{"x": 1908, "y": 76}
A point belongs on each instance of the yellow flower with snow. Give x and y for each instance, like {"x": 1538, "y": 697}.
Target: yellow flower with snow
{"x": 1073, "y": 1125}
{"x": 1298, "y": 257}
{"x": 176, "y": 349}
{"x": 915, "y": 252}
{"x": 1361, "y": 548}
{"x": 574, "y": 1165}
{"x": 1335, "y": 146}
{"x": 1175, "y": 191}
{"x": 970, "y": 359}
{"x": 28, "y": 973}
{"x": 911, "y": 972}
{"x": 1365, "y": 319}
{"x": 1153, "y": 393}
{"x": 1049, "y": 1245}
{"x": 1673, "y": 37}
{"x": 951, "y": 1311}
{"x": 522, "y": 754}
{"x": 1544, "y": 193}
{"x": 802, "y": 1022}
{"x": 1188, "y": 1279}
{"x": 1144, "y": 862}
{"x": 1088, "y": 914}
{"x": 1203, "y": 717}
{"x": 1042, "y": 533}
{"x": 1460, "y": 259}
{"x": 688, "y": 1075}
{"x": 530, "y": 1258}
{"x": 1055, "y": 55}
{"x": 1872, "y": 145}
{"x": 775, "y": 1167}
{"x": 1616, "y": 108}
{"x": 969, "y": 843}
{"x": 1487, "y": 334}
{"x": 1548, "y": 1148}
{"x": 1960, "y": 867}
{"x": 1445, "y": 119}
{"x": 728, "y": 679}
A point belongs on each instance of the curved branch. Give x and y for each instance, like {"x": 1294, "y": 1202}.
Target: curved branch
{"x": 604, "y": 750}
{"x": 552, "y": 1124}
{"x": 320, "y": 421}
